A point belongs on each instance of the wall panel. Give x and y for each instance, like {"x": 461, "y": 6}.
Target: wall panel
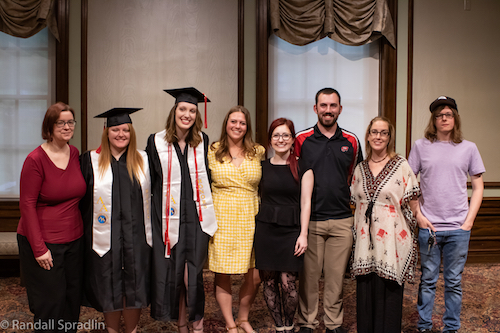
{"x": 455, "y": 54}
{"x": 138, "y": 48}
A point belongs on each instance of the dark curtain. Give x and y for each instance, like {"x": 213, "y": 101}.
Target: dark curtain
{"x": 24, "y": 18}
{"x": 350, "y": 22}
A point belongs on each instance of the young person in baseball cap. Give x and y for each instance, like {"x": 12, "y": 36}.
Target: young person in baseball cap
{"x": 444, "y": 216}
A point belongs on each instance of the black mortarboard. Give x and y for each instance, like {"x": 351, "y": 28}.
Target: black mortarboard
{"x": 443, "y": 100}
{"x": 189, "y": 95}
{"x": 118, "y": 116}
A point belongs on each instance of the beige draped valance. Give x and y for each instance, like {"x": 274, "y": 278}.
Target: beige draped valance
{"x": 24, "y": 18}
{"x": 353, "y": 22}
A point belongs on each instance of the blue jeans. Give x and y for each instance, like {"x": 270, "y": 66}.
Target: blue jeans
{"x": 453, "y": 246}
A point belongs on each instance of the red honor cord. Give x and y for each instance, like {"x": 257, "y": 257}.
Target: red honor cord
{"x": 205, "y": 97}
{"x": 167, "y": 217}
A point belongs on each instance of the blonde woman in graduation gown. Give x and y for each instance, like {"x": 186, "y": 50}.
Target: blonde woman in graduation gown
{"x": 117, "y": 223}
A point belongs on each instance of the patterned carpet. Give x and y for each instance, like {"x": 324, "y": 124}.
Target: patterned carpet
{"x": 480, "y": 312}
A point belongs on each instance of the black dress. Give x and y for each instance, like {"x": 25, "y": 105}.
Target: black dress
{"x": 277, "y": 224}
{"x": 124, "y": 271}
{"x": 191, "y": 248}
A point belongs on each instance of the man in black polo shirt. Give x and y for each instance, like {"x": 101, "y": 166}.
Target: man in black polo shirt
{"x": 333, "y": 154}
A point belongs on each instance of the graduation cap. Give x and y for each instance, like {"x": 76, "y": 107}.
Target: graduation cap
{"x": 117, "y": 116}
{"x": 189, "y": 95}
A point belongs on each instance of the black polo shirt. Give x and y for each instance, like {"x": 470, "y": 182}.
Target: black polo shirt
{"x": 332, "y": 161}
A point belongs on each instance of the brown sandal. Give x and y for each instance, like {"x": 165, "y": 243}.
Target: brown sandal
{"x": 241, "y": 329}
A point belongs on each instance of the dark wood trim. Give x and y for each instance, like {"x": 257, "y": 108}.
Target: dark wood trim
{"x": 388, "y": 70}
{"x": 484, "y": 246}
{"x": 241, "y": 52}
{"x": 62, "y": 52}
{"x": 83, "y": 73}
{"x": 490, "y": 185}
{"x": 262, "y": 90}
{"x": 9, "y": 215}
{"x": 409, "y": 90}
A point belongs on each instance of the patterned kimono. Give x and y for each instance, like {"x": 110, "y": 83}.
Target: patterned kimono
{"x": 384, "y": 226}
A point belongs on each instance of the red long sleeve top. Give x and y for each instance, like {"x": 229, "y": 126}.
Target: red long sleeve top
{"x": 49, "y": 199}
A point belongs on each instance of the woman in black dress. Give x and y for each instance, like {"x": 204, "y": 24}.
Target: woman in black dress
{"x": 281, "y": 224}
{"x": 183, "y": 215}
{"x": 117, "y": 223}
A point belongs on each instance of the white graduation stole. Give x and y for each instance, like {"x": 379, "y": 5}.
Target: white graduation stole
{"x": 103, "y": 190}
{"x": 171, "y": 190}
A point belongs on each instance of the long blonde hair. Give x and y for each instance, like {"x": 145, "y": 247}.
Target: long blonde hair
{"x": 193, "y": 138}
{"x": 249, "y": 146}
{"x": 134, "y": 158}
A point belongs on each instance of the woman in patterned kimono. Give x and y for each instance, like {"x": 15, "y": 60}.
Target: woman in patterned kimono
{"x": 236, "y": 170}
{"x": 385, "y": 191}
{"x": 183, "y": 216}
{"x": 117, "y": 223}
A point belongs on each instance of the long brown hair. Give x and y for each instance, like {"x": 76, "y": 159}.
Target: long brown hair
{"x": 392, "y": 138}
{"x": 134, "y": 158}
{"x": 292, "y": 158}
{"x": 431, "y": 131}
{"x": 248, "y": 143}
{"x": 193, "y": 138}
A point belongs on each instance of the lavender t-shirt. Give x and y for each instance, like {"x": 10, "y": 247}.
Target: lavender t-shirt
{"x": 444, "y": 167}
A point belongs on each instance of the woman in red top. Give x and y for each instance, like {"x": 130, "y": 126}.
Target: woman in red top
{"x": 50, "y": 229}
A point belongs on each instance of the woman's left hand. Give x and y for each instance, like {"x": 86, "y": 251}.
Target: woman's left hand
{"x": 300, "y": 245}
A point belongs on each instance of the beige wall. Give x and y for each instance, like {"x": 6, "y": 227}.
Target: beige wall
{"x": 138, "y": 48}
{"x": 456, "y": 54}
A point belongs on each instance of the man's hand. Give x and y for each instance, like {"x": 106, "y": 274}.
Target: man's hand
{"x": 423, "y": 222}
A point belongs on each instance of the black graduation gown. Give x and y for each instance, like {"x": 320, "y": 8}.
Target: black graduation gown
{"x": 191, "y": 249}
{"x": 124, "y": 271}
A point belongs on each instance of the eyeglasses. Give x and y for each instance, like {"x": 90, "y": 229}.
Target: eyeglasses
{"x": 62, "y": 123}
{"x": 447, "y": 115}
{"x": 383, "y": 134}
{"x": 284, "y": 136}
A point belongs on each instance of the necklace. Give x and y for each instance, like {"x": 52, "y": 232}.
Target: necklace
{"x": 378, "y": 160}
{"x": 237, "y": 156}
{"x": 234, "y": 157}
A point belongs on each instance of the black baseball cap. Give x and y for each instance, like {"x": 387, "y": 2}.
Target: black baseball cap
{"x": 443, "y": 100}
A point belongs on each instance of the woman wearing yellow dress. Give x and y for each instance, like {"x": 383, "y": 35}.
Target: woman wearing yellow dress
{"x": 234, "y": 162}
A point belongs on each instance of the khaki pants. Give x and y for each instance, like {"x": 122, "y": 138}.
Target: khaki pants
{"x": 329, "y": 250}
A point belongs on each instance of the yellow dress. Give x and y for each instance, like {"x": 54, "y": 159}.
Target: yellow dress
{"x": 234, "y": 192}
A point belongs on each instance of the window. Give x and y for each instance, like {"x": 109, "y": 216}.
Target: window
{"x": 27, "y": 89}
{"x": 296, "y": 73}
